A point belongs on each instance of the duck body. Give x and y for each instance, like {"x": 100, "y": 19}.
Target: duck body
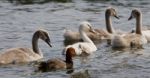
{"x": 52, "y": 64}
{"x": 57, "y": 64}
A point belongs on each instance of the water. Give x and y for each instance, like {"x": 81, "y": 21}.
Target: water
{"x": 19, "y": 22}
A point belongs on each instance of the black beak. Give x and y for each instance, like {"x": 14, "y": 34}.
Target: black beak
{"x": 130, "y": 18}
{"x": 48, "y": 42}
{"x": 116, "y": 16}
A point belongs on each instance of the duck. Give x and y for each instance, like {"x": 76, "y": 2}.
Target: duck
{"x": 25, "y": 55}
{"x": 99, "y": 34}
{"x": 57, "y": 63}
{"x": 85, "y": 47}
{"x": 133, "y": 40}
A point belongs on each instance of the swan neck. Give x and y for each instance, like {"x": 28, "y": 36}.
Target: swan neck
{"x": 85, "y": 37}
{"x": 35, "y": 43}
{"x": 139, "y": 24}
{"x": 108, "y": 23}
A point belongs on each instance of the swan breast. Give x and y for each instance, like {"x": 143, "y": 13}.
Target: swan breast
{"x": 82, "y": 47}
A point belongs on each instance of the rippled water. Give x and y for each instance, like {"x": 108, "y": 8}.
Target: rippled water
{"x": 19, "y": 22}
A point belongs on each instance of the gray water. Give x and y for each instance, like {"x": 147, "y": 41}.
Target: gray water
{"x": 19, "y": 22}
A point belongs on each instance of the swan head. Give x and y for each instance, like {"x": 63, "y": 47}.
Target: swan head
{"x": 135, "y": 13}
{"x": 111, "y": 12}
{"x": 86, "y": 26}
{"x": 42, "y": 34}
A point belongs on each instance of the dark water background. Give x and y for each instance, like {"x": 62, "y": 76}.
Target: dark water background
{"x": 18, "y": 22}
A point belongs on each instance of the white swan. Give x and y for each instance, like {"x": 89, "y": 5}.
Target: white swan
{"x": 135, "y": 39}
{"x": 87, "y": 46}
{"x": 99, "y": 33}
{"x": 23, "y": 55}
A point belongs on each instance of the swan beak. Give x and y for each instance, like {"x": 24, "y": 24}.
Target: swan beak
{"x": 130, "y": 17}
{"x": 116, "y": 16}
{"x": 48, "y": 42}
{"x": 93, "y": 31}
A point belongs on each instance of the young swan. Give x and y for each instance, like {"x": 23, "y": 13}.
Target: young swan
{"x": 145, "y": 32}
{"x": 54, "y": 64}
{"x": 135, "y": 39}
{"x": 23, "y": 55}
{"x": 99, "y": 33}
{"x": 87, "y": 46}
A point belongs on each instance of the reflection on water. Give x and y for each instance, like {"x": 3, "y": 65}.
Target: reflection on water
{"x": 19, "y": 22}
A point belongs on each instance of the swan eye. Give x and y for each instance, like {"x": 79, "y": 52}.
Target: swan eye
{"x": 90, "y": 27}
{"x": 47, "y": 37}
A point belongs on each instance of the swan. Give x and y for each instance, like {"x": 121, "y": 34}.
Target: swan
{"x": 54, "y": 64}
{"x": 146, "y": 30}
{"x": 24, "y": 55}
{"x": 134, "y": 39}
{"x": 99, "y": 34}
{"x": 87, "y": 46}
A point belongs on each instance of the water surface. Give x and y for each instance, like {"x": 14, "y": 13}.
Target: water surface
{"x": 19, "y": 22}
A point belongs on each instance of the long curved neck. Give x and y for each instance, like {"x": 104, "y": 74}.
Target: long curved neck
{"x": 85, "y": 37}
{"x": 138, "y": 24}
{"x": 35, "y": 43}
{"x": 108, "y": 23}
{"x": 69, "y": 62}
